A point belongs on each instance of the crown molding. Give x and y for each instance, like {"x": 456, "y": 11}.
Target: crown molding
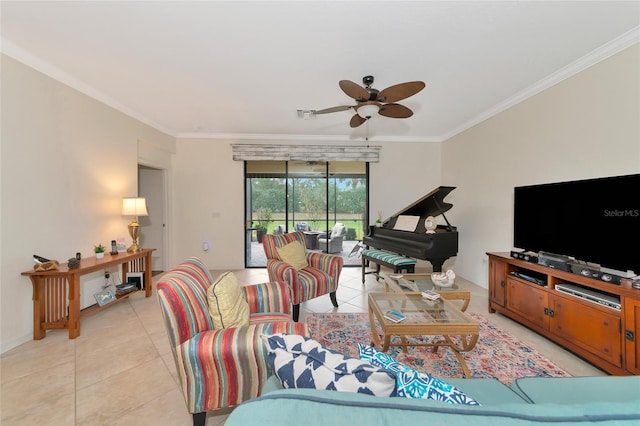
{"x": 10, "y": 49}
{"x": 21, "y": 55}
{"x": 605, "y": 51}
{"x": 302, "y": 138}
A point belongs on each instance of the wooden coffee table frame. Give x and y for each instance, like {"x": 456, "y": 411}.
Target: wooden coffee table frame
{"x": 467, "y": 332}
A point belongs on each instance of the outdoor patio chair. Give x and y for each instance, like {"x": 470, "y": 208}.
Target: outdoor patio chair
{"x": 309, "y": 274}
{"x": 302, "y": 226}
{"x": 333, "y": 244}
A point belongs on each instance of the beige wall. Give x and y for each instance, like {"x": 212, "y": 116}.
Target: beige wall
{"x": 586, "y": 126}
{"x": 209, "y": 193}
{"x": 66, "y": 162}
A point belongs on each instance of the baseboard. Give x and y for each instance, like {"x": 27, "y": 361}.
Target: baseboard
{"x": 7, "y": 346}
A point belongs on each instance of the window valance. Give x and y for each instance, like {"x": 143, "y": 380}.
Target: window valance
{"x": 258, "y": 152}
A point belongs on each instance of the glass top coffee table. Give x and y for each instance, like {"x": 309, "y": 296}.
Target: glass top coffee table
{"x": 422, "y": 318}
{"x": 422, "y": 282}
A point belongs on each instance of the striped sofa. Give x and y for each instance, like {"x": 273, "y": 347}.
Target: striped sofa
{"x": 320, "y": 277}
{"x": 223, "y": 367}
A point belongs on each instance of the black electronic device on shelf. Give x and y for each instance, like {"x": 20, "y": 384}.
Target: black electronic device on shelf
{"x": 525, "y": 255}
{"x": 539, "y": 280}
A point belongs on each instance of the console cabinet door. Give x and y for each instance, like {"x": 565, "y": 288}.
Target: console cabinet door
{"x": 528, "y": 302}
{"x": 588, "y": 327}
{"x": 631, "y": 328}
{"x": 497, "y": 282}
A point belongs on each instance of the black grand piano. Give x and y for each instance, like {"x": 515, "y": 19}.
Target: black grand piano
{"x": 435, "y": 247}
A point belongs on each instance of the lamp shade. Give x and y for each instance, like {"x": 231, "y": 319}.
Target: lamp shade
{"x": 368, "y": 110}
{"x": 134, "y": 207}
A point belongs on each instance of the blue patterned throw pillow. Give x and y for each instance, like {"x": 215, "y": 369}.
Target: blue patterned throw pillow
{"x": 301, "y": 362}
{"x": 414, "y": 384}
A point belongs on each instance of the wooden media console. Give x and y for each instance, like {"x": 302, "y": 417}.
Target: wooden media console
{"x": 605, "y": 336}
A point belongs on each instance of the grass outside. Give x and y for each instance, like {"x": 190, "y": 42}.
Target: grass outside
{"x": 354, "y": 227}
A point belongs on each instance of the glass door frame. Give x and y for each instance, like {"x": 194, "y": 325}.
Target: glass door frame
{"x": 330, "y": 206}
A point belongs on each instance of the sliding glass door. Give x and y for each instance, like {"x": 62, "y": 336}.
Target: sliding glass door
{"x": 308, "y": 196}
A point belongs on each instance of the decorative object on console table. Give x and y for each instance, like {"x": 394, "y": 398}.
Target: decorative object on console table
{"x": 99, "y": 250}
{"x": 134, "y": 207}
{"x": 136, "y": 278}
{"x": 114, "y": 248}
{"x": 44, "y": 264}
{"x": 50, "y": 265}
{"x": 104, "y": 297}
{"x": 121, "y": 245}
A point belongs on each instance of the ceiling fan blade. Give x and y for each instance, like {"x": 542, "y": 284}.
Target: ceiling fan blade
{"x": 334, "y": 109}
{"x": 356, "y": 120}
{"x": 395, "y": 111}
{"x": 400, "y": 91}
{"x": 354, "y": 90}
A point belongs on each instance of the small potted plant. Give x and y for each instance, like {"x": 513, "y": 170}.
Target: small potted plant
{"x": 261, "y": 230}
{"x": 379, "y": 219}
{"x": 99, "y": 249}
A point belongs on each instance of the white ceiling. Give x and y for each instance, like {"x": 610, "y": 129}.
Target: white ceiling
{"x": 242, "y": 69}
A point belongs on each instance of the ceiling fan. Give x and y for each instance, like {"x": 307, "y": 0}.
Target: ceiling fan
{"x": 370, "y": 101}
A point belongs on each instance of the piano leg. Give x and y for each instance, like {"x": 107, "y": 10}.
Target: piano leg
{"x": 437, "y": 264}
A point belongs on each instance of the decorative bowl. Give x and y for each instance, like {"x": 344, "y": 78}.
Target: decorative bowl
{"x": 443, "y": 279}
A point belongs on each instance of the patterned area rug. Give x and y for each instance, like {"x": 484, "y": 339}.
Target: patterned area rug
{"x": 497, "y": 353}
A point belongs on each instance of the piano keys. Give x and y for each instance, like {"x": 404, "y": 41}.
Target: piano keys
{"x": 395, "y": 234}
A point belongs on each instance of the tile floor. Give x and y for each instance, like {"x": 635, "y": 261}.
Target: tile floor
{"x": 120, "y": 370}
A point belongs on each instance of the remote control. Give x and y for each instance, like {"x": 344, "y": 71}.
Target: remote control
{"x": 40, "y": 259}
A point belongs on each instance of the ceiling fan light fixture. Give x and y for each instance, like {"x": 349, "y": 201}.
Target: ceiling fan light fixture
{"x": 306, "y": 114}
{"x": 368, "y": 110}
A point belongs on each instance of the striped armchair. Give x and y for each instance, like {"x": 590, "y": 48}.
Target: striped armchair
{"x": 223, "y": 367}
{"x": 320, "y": 277}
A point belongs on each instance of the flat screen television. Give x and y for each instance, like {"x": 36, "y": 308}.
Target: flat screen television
{"x": 594, "y": 220}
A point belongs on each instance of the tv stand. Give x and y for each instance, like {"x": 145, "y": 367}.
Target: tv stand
{"x": 607, "y": 338}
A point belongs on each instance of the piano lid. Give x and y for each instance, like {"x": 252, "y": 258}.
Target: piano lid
{"x": 431, "y": 204}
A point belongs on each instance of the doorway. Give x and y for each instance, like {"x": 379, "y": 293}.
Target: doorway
{"x": 152, "y": 186}
{"x": 309, "y": 196}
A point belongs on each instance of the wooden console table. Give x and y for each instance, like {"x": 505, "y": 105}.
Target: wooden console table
{"x": 56, "y": 294}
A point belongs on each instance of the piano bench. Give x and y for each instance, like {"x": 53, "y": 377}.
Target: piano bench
{"x": 394, "y": 261}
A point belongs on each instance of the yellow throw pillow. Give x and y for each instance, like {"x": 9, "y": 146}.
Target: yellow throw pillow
{"x": 293, "y": 254}
{"x": 227, "y": 305}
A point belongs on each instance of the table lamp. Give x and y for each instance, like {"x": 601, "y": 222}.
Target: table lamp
{"x": 134, "y": 207}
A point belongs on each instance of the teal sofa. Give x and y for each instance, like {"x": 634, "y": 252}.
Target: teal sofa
{"x": 608, "y": 400}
